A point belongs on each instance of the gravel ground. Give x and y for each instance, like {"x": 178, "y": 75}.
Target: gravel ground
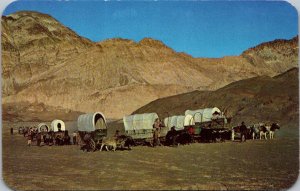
{"x": 253, "y": 165}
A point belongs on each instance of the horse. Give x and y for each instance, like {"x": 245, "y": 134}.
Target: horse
{"x": 49, "y": 138}
{"x": 254, "y": 131}
{"x": 176, "y": 137}
{"x": 263, "y": 130}
{"x": 59, "y": 140}
{"x": 259, "y": 130}
{"x": 66, "y": 140}
{"x": 272, "y": 128}
{"x": 25, "y": 131}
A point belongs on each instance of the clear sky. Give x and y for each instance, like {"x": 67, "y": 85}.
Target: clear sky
{"x": 198, "y": 28}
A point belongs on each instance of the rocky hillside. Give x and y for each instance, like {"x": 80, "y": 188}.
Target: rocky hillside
{"x": 44, "y": 62}
{"x": 251, "y": 100}
{"x": 32, "y": 43}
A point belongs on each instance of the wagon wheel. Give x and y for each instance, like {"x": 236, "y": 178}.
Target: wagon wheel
{"x": 92, "y": 145}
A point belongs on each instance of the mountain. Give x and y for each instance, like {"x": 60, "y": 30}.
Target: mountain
{"x": 251, "y": 100}
{"x": 44, "y": 62}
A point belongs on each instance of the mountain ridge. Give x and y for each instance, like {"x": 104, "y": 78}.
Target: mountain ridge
{"x": 253, "y": 100}
{"x": 120, "y": 75}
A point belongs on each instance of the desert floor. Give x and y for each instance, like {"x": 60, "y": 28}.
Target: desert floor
{"x": 255, "y": 164}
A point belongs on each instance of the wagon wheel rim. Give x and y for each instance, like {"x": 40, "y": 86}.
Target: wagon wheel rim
{"x": 92, "y": 144}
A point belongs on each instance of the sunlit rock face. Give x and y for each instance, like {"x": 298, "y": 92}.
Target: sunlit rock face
{"x": 44, "y": 62}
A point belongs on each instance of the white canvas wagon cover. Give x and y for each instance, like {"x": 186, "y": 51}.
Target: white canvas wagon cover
{"x": 43, "y": 127}
{"x": 203, "y": 115}
{"x": 91, "y": 121}
{"x": 189, "y": 120}
{"x": 179, "y": 121}
{"x": 139, "y": 121}
{"x": 58, "y": 124}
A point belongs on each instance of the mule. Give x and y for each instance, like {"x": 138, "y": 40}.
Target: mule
{"x": 176, "y": 137}
{"x": 263, "y": 131}
{"x": 272, "y": 128}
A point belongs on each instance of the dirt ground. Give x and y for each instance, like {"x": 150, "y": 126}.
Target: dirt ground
{"x": 258, "y": 164}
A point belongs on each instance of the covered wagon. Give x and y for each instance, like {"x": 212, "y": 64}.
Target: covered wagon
{"x": 43, "y": 128}
{"x": 209, "y": 124}
{"x": 204, "y": 115}
{"x": 140, "y": 127}
{"x": 58, "y": 125}
{"x": 91, "y": 129}
{"x": 179, "y": 127}
{"x": 58, "y": 133}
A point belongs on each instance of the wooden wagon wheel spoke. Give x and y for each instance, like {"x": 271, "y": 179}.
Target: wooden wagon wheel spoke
{"x": 92, "y": 145}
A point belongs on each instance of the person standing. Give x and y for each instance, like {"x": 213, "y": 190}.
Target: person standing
{"x": 12, "y": 131}
{"x": 156, "y": 133}
{"x": 39, "y": 139}
{"x": 29, "y": 137}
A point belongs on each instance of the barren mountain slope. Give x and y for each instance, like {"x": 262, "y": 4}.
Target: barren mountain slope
{"x": 250, "y": 100}
{"x": 45, "y": 62}
{"x": 33, "y": 43}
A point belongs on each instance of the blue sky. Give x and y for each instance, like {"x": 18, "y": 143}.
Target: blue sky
{"x": 198, "y": 28}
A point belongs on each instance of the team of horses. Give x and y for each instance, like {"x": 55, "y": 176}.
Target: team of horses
{"x": 48, "y": 138}
{"x": 257, "y": 131}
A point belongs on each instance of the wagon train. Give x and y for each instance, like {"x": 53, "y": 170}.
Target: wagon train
{"x": 202, "y": 125}
{"x": 92, "y": 129}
